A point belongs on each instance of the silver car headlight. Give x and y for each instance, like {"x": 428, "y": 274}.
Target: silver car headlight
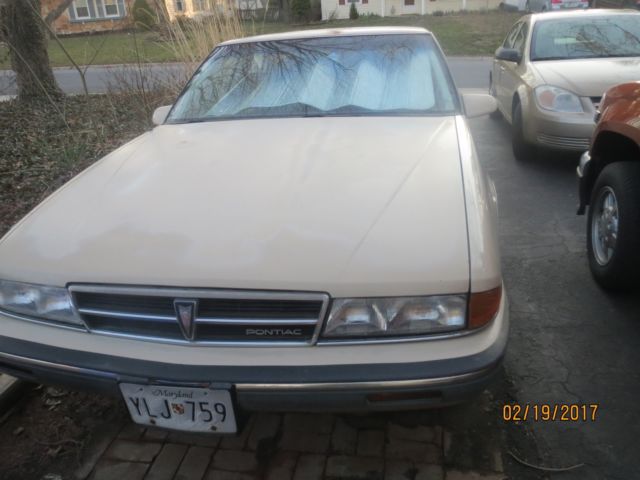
{"x": 38, "y": 301}
{"x": 396, "y": 316}
{"x": 557, "y": 99}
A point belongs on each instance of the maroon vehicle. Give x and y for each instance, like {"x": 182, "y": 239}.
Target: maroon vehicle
{"x": 609, "y": 183}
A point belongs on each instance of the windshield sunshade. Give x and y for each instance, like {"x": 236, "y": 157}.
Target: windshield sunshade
{"x": 355, "y": 75}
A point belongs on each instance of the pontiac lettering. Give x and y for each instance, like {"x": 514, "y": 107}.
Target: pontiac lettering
{"x": 272, "y": 332}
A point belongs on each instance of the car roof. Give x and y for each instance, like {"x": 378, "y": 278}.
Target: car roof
{"x": 581, "y": 13}
{"x": 330, "y": 32}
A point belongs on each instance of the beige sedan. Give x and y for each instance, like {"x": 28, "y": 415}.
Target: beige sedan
{"x": 552, "y": 69}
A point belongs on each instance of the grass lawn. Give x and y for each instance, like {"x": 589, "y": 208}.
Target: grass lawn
{"x": 107, "y": 48}
{"x": 459, "y": 34}
{"x": 478, "y": 33}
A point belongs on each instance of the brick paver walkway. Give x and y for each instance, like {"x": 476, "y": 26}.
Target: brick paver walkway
{"x": 280, "y": 447}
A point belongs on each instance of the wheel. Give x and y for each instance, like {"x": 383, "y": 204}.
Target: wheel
{"x": 613, "y": 226}
{"x": 522, "y": 149}
{"x": 497, "y": 114}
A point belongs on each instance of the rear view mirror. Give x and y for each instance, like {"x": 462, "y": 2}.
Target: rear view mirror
{"x": 508, "y": 55}
{"x": 478, "y": 104}
{"x": 160, "y": 114}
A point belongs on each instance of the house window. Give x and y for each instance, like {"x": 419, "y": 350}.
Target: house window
{"x": 409, "y": 2}
{"x": 82, "y": 9}
{"x": 179, "y": 6}
{"x": 111, "y": 8}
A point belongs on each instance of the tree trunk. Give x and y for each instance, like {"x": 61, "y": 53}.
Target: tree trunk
{"x": 25, "y": 35}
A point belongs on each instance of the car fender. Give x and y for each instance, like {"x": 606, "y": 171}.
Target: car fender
{"x": 482, "y": 215}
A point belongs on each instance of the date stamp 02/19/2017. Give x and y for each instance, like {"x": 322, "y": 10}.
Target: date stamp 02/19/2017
{"x": 546, "y": 412}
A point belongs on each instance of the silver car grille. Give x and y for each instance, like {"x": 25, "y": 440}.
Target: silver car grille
{"x": 572, "y": 143}
{"x": 202, "y": 316}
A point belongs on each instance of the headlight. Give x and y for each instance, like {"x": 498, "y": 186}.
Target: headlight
{"x": 557, "y": 99}
{"x": 47, "y": 303}
{"x": 400, "y": 316}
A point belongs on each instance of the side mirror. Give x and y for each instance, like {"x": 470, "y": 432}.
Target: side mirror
{"x": 508, "y": 55}
{"x": 478, "y": 104}
{"x": 160, "y": 114}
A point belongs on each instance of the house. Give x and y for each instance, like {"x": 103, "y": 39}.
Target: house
{"x": 335, "y": 9}
{"x": 197, "y": 8}
{"x": 89, "y": 16}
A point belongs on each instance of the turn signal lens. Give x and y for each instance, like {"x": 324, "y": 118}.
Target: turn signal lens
{"x": 484, "y": 306}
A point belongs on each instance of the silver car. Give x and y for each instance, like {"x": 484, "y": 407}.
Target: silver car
{"x": 552, "y": 69}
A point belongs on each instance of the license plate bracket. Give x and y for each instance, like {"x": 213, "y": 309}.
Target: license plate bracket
{"x": 190, "y": 409}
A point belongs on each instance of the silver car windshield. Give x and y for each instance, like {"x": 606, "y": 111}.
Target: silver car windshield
{"x": 333, "y": 76}
{"x": 587, "y": 37}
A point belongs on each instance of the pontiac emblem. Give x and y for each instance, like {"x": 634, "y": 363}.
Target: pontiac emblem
{"x": 186, "y": 313}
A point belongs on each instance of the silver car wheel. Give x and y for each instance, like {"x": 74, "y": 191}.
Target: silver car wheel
{"x": 604, "y": 227}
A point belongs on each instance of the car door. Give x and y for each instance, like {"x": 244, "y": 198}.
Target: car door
{"x": 499, "y": 67}
{"x": 511, "y": 72}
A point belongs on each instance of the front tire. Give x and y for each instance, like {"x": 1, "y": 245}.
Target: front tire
{"x": 522, "y": 149}
{"x": 613, "y": 227}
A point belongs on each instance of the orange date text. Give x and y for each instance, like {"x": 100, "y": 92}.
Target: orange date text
{"x": 546, "y": 412}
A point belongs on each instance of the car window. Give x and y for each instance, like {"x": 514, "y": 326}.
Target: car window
{"x": 330, "y": 76}
{"x": 511, "y": 36}
{"x": 588, "y": 37}
{"x": 520, "y": 39}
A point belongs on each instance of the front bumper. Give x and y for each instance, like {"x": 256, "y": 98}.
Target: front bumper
{"x": 335, "y": 388}
{"x": 568, "y": 132}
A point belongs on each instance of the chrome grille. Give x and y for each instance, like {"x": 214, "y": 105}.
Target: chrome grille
{"x": 572, "y": 143}
{"x": 220, "y": 316}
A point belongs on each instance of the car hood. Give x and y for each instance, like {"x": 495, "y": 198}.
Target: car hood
{"x": 588, "y": 77}
{"x": 350, "y": 206}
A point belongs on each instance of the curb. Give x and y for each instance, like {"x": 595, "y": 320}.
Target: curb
{"x": 10, "y": 390}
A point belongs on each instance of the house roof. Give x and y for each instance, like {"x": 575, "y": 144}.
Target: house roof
{"x": 330, "y": 32}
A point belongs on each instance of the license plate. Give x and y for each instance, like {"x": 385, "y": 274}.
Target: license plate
{"x": 180, "y": 408}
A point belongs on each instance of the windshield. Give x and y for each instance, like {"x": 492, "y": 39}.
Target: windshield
{"x": 335, "y": 76}
{"x": 588, "y": 37}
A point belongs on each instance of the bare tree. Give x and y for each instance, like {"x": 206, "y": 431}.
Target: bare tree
{"x": 22, "y": 30}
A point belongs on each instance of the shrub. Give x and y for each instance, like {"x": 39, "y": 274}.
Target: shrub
{"x": 353, "y": 12}
{"x": 143, "y": 16}
{"x": 301, "y": 9}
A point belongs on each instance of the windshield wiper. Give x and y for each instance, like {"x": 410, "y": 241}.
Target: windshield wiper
{"x": 360, "y": 110}
{"x": 286, "y": 109}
